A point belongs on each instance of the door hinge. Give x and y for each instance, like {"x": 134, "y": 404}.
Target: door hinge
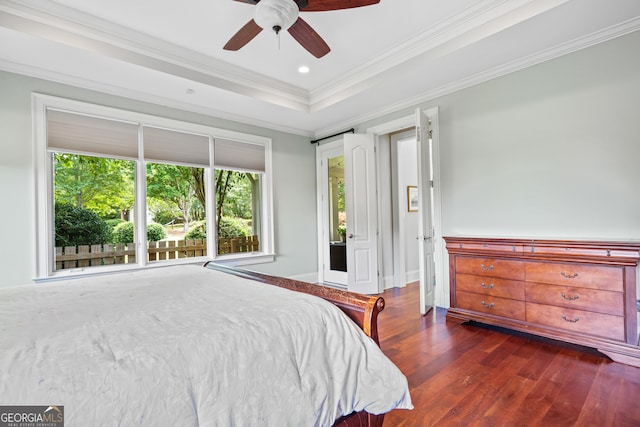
{"x": 431, "y": 183}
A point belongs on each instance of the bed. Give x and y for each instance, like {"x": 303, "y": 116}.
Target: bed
{"x": 192, "y": 346}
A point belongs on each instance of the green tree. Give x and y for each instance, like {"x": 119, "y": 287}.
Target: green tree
{"x": 175, "y": 184}
{"x": 104, "y": 185}
{"x": 234, "y": 194}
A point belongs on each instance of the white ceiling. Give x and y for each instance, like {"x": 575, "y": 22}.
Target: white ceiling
{"x": 384, "y": 57}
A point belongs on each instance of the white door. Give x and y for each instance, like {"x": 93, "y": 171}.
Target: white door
{"x": 425, "y": 226}
{"x": 362, "y": 214}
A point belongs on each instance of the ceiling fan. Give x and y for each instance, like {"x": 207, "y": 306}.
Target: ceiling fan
{"x": 283, "y": 15}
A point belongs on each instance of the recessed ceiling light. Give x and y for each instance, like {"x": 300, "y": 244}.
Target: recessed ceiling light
{"x": 189, "y": 91}
{"x": 303, "y": 69}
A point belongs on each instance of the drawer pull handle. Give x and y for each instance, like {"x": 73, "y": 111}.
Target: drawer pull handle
{"x": 569, "y": 276}
{"x": 486, "y": 268}
{"x": 487, "y": 287}
{"x": 575, "y": 320}
{"x": 569, "y": 298}
{"x": 484, "y": 304}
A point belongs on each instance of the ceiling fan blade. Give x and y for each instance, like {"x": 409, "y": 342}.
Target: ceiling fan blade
{"x": 326, "y": 5}
{"x": 243, "y": 36}
{"x": 308, "y": 38}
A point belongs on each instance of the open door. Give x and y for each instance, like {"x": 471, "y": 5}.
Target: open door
{"x": 425, "y": 226}
{"x": 361, "y": 212}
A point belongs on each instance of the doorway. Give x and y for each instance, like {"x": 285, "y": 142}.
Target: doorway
{"x": 431, "y": 250}
{"x": 388, "y": 209}
{"x": 404, "y": 179}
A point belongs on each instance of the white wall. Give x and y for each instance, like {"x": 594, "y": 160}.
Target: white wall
{"x": 293, "y": 166}
{"x": 551, "y": 151}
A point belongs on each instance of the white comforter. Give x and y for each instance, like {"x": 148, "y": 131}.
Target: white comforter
{"x": 188, "y": 346}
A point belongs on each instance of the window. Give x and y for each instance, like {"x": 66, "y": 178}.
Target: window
{"x": 239, "y": 177}
{"x": 118, "y": 190}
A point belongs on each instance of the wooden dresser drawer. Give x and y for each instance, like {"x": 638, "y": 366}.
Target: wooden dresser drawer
{"x": 577, "y": 321}
{"x": 479, "y": 266}
{"x": 606, "y": 302}
{"x": 497, "y": 306}
{"x": 494, "y": 286}
{"x": 473, "y": 246}
{"x": 577, "y": 275}
{"x": 578, "y": 250}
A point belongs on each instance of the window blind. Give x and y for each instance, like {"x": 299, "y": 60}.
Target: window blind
{"x": 239, "y": 155}
{"x": 175, "y": 146}
{"x": 88, "y": 134}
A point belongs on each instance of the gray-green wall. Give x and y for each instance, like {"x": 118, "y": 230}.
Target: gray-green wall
{"x": 293, "y": 180}
{"x": 549, "y": 151}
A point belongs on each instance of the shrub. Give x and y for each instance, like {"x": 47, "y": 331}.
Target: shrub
{"x": 113, "y": 222}
{"x": 197, "y": 231}
{"x": 155, "y": 232}
{"x": 123, "y": 232}
{"x": 75, "y": 225}
{"x": 229, "y": 227}
{"x": 232, "y": 227}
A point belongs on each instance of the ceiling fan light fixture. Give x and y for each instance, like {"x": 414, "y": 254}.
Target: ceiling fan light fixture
{"x": 272, "y": 14}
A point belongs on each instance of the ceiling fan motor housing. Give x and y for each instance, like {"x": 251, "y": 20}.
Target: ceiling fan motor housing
{"x": 272, "y": 14}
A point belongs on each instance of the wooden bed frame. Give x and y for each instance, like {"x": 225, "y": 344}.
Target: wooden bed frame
{"x": 362, "y": 309}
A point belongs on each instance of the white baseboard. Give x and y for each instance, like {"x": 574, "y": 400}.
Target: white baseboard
{"x": 388, "y": 283}
{"x": 413, "y": 276}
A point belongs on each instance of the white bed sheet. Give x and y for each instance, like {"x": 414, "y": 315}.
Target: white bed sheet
{"x": 188, "y": 346}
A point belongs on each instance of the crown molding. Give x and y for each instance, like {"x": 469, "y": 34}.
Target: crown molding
{"x": 598, "y": 37}
{"x": 450, "y": 34}
{"x": 61, "y": 24}
{"x": 48, "y": 19}
{"x": 69, "y": 26}
{"x": 127, "y": 93}
{"x": 563, "y": 49}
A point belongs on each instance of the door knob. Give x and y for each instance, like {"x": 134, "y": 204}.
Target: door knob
{"x": 350, "y": 235}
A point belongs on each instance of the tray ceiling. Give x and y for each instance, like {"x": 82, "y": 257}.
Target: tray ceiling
{"x": 384, "y": 57}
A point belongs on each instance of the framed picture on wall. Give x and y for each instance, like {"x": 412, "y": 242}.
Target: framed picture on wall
{"x": 412, "y": 198}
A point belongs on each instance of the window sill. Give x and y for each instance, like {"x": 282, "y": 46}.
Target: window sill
{"x": 232, "y": 260}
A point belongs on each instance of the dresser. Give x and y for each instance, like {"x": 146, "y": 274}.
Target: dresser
{"x": 575, "y": 291}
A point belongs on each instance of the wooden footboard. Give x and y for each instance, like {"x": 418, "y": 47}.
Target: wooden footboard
{"x": 362, "y": 309}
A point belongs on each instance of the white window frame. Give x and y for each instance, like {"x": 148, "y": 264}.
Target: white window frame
{"x": 43, "y": 167}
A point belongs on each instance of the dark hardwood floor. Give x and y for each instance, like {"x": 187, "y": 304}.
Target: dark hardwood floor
{"x": 463, "y": 374}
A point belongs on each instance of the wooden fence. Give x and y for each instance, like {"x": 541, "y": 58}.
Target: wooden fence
{"x": 94, "y": 255}
{"x": 235, "y": 245}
